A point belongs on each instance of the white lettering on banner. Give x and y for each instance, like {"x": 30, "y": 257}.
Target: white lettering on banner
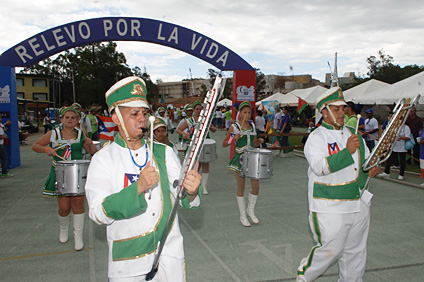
{"x": 135, "y": 27}
{"x": 174, "y": 35}
{"x": 223, "y": 58}
{"x": 107, "y": 25}
{"x": 204, "y": 45}
{"x": 118, "y": 27}
{"x": 209, "y": 54}
{"x": 22, "y": 52}
{"x": 35, "y": 46}
{"x": 58, "y": 38}
{"x": 62, "y": 36}
{"x": 195, "y": 42}
{"x": 87, "y": 27}
{"x": 71, "y": 35}
{"x": 49, "y": 48}
{"x": 160, "y": 37}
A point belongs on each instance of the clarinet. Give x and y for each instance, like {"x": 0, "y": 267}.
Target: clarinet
{"x": 190, "y": 160}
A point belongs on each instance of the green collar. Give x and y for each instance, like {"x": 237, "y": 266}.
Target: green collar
{"x": 330, "y": 126}
{"x": 123, "y": 143}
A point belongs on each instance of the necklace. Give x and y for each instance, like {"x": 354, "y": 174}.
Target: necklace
{"x": 147, "y": 156}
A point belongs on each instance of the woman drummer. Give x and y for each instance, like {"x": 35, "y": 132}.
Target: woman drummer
{"x": 243, "y": 133}
{"x": 66, "y": 142}
{"x": 191, "y": 124}
{"x": 159, "y": 133}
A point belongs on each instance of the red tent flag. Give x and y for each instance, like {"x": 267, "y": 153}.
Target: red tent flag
{"x": 301, "y": 105}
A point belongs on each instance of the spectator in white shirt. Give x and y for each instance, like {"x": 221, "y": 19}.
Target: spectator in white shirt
{"x": 371, "y": 129}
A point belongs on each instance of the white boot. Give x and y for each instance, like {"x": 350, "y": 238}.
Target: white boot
{"x": 251, "y": 208}
{"x": 78, "y": 230}
{"x": 64, "y": 227}
{"x": 242, "y": 208}
{"x": 205, "y": 177}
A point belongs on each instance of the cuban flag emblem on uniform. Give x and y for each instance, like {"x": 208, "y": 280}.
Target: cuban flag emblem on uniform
{"x": 130, "y": 178}
{"x": 67, "y": 154}
{"x": 333, "y": 148}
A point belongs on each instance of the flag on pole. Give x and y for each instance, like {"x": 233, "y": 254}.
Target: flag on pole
{"x": 301, "y": 105}
{"x": 107, "y": 128}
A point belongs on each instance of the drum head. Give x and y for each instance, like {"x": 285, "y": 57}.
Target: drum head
{"x": 73, "y": 162}
{"x": 209, "y": 141}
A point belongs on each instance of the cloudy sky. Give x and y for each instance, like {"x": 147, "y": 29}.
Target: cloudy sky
{"x": 276, "y": 36}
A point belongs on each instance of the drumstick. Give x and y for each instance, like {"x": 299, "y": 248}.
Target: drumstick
{"x": 358, "y": 117}
{"x": 60, "y": 157}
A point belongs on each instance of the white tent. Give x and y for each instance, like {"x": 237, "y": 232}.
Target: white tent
{"x": 290, "y": 100}
{"x": 407, "y": 88}
{"x": 224, "y": 101}
{"x": 274, "y": 97}
{"x": 354, "y": 94}
{"x": 309, "y": 94}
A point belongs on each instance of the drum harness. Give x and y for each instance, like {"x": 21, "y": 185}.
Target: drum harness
{"x": 190, "y": 161}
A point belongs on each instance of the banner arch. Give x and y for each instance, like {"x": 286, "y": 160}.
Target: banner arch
{"x": 57, "y": 39}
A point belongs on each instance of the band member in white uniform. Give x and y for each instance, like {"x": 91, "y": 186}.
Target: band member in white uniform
{"x": 339, "y": 207}
{"x": 191, "y": 123}
{"x": 129, "y": 189}
{"x": 168, "y": 121}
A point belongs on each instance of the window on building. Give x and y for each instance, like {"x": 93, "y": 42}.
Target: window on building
{"x": 19, "y": 82}
{"x": 20, "y": 95}
{"x": 39, "y": 82}
{"x": 39, "y": 96}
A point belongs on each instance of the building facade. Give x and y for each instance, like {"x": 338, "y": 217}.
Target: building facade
{"x": 172, "y": 91}
{"x": 33, "y": 87}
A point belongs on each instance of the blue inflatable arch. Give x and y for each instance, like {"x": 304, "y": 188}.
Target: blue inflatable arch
{"x": 60, "y": 38}
{"x": 80, "y": 33}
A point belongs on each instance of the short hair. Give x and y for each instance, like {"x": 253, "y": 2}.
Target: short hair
{"x": 286, "y": 108}
{"x": 351, "y": 105}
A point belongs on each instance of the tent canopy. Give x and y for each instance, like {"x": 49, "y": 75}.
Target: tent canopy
{"x": 225, "y": 101}
{"x": 309, "y": 94}
{"x": 354, "y": 94}
{"x": 408, "y": 88}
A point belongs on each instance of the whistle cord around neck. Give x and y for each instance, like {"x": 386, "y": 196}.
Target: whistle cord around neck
{"x": 147, "y": 157}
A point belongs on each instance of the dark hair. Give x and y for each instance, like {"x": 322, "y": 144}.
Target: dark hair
{"x": 286, "y": 108}
{"x": 351, "y": 105}
{"x": 259, "y": 113}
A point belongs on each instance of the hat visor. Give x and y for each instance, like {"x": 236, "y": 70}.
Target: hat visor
{"x": 335, "y": 103}
{"x": 338, "y": 103}
{"x": 135, "y": 104}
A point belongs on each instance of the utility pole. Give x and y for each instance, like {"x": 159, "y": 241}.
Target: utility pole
{"x": 73, "y": 86}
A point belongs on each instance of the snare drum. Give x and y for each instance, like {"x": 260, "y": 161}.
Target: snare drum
{"x": 208, "y": 153}
{"x": 257, "y": 163}
{"x": 71, "y": 177}
{"x": 181, "y": 146}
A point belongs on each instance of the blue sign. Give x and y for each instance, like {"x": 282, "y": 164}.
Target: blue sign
{"x": 64, "y": 37}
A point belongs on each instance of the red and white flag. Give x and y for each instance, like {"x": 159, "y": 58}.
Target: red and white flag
{"x": 112, "y": 129}
{"x": 67, "y": 154}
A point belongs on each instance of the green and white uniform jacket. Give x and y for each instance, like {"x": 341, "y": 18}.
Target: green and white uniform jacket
{"x": 335, "y": 176}
{"x": 135, "y": 223}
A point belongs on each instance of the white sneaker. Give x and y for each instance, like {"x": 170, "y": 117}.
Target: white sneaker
{"x": 400, "y": 177}
{"x": 384, "y": 174}
{"x": 285, "y": 156}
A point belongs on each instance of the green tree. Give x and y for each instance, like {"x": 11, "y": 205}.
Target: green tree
{"x": 92, "y": 68}
{"x": 228, "y": 90}
{"x": 383, "y": 69}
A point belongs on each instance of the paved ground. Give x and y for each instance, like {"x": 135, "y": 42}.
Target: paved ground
{"x": 217, "y": 246}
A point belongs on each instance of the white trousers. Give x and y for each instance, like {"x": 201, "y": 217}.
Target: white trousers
{"x": 170, "y": 270}
{"x": 341, "y": 237}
